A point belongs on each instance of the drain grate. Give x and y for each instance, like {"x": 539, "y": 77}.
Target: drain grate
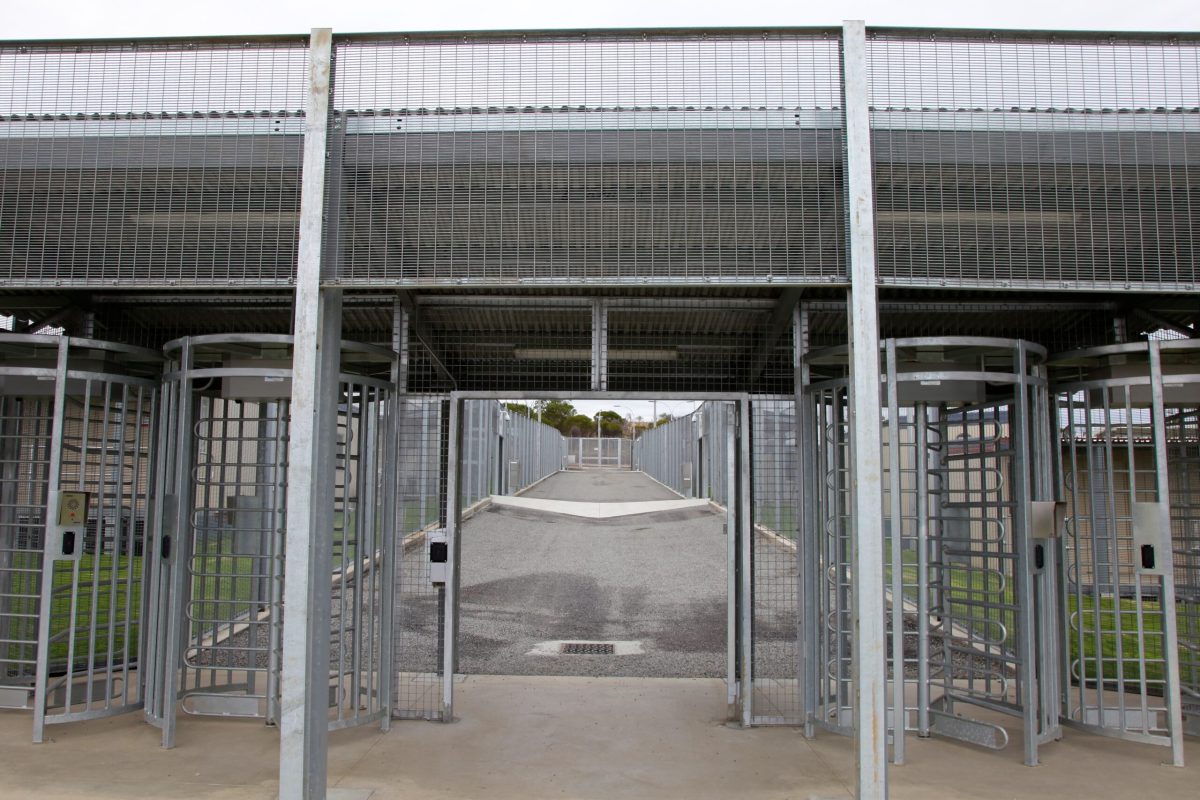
{"x": 588, "y": 648}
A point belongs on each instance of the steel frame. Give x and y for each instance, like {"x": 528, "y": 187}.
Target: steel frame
{"x": 1111, "y": 403}
{"x": 740, "y": 597}
{"x": 849, "y": 452}
{"x": 71, "y": 627}
{"x": 942, "y": 463}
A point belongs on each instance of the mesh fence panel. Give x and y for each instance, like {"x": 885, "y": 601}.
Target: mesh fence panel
{"x": 419, "y": 468}
{"x": 494, "y": 159}
{"x": 1035, "y": 159}
{"x": 775, "y": 626}
{"x": 172, "y": 163}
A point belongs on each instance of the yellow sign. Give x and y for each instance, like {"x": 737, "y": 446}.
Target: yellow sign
{"x": 72, "y": 508}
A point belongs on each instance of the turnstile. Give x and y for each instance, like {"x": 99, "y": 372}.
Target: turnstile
{"x": 217, "y": 643}
{"x": 76, "y": 449}
{"x": 969, "y": 575}
{"x": 1128, "y": 444}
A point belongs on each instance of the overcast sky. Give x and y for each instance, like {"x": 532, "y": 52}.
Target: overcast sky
{"x": 79, "y": 18}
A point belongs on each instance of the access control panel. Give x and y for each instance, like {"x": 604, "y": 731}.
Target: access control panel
{"x": 438, "y": 552}
{"x": 1151, "y": 539}
{"x": 71, "y": 525}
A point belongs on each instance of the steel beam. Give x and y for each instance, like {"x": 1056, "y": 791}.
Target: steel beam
{"x": 304, "y": 717}
{"x": 423, "y": 334}
{"x": 1170, "y": 642}
{"x": 866, "y": 467}
{"x": 599, "y": 347}
{"x": 781, "y": 318}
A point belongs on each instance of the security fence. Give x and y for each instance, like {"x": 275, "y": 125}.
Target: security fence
{"x": 501, "y": 451}
{"x": 598, "y": 452}
{"x": 609, "y": 212}
{"x": 669, "y": 454}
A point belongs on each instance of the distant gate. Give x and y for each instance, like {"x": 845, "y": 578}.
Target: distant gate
{"x": 591, "y": 453}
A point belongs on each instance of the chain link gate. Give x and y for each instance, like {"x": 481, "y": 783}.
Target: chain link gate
{"x": 969, "y": 583}
{"x": 217, "y": 646}
{"x": 1127, "y": 416}
{"x": 76, "y": 448}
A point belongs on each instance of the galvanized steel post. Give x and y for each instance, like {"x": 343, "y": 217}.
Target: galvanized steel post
{"x": 869, "y": 662}
{"x": 304, "y": 723}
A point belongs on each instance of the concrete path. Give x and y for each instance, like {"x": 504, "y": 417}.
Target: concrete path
{"x": 600, "y": 486}
{"x": 578, "y": 508}
{"x": 536, "y": 738}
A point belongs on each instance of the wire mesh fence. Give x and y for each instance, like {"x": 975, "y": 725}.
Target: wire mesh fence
{"x": 501, "y": 451}
{"x": 173, "y": 163}
{"x": 599, "y": 452}
{"x": 693, "y": 456}
{"x": 611, "y": 156}
{"x": 1035, "y": 159}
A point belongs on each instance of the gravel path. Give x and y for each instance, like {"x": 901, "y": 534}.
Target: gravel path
{"x": 530, "y": 577}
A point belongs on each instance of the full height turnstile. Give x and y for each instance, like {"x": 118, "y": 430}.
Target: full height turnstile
{"x": 76, "y": 451}
{"x": 219, "y": 545}
{"x": 1128, "y": 446}
{"x": 972, "y": 620}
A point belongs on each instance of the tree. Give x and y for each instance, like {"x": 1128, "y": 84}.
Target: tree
{"x": 663, "y": 419}
{"x": 555, "y": 413}
{"x": 611, "y": 424}
{"x": 578, "y": 425}
{"x": 519, "y": 408}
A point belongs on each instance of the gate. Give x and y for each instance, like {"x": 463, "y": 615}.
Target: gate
{"x": 1130, "y": 468}
{"x": 218, "y": 642}
{"x": 76, "y": 443}
{"x": 972, "y": 617}
{"x": 604, "y": 453}
{"x": 761, "y": 584}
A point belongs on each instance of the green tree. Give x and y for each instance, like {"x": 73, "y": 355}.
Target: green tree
{"x": 555, "y": 413}
{"x": 520, "y": 408}
{"x": 611, "y": 424}
{"x": 578, "y": 425}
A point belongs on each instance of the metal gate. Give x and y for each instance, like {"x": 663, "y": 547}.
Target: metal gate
{"x": 218, "y": 642}
{"x": 599, "y": 453}
{"x": 1130, "y": 469}
{"x": 968, "y": 580}
{"x": 749, "y": 569}
{"x": 76, "y": 443}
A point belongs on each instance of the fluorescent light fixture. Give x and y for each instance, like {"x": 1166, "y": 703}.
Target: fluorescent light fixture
{"x": 582, "y": 354}
{"x": 977, "y": 217}
{"x": 237, "y": 219}
{"x": 643, "y": 355}
{"x": 551, "y": 354}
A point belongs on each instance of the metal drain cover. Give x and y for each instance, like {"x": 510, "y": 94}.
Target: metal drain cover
{"x": 588, "y": 648}
{"x": 574, "y": 647}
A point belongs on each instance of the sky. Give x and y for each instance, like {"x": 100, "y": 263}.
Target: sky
{"x": 29, "y": 19}
{"x": 25, "y": 19}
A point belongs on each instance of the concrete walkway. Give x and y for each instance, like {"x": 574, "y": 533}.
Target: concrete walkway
{"x": 600, "y": 486}
{"x": 529, "y": 738}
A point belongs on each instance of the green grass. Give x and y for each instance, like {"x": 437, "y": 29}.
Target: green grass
{"x": 93, "y": 574}
{"x": 1100, "y": 621}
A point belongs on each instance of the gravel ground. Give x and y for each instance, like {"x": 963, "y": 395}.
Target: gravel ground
{"x": 530, "y": 577}
{"x": 600, "y": 486}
